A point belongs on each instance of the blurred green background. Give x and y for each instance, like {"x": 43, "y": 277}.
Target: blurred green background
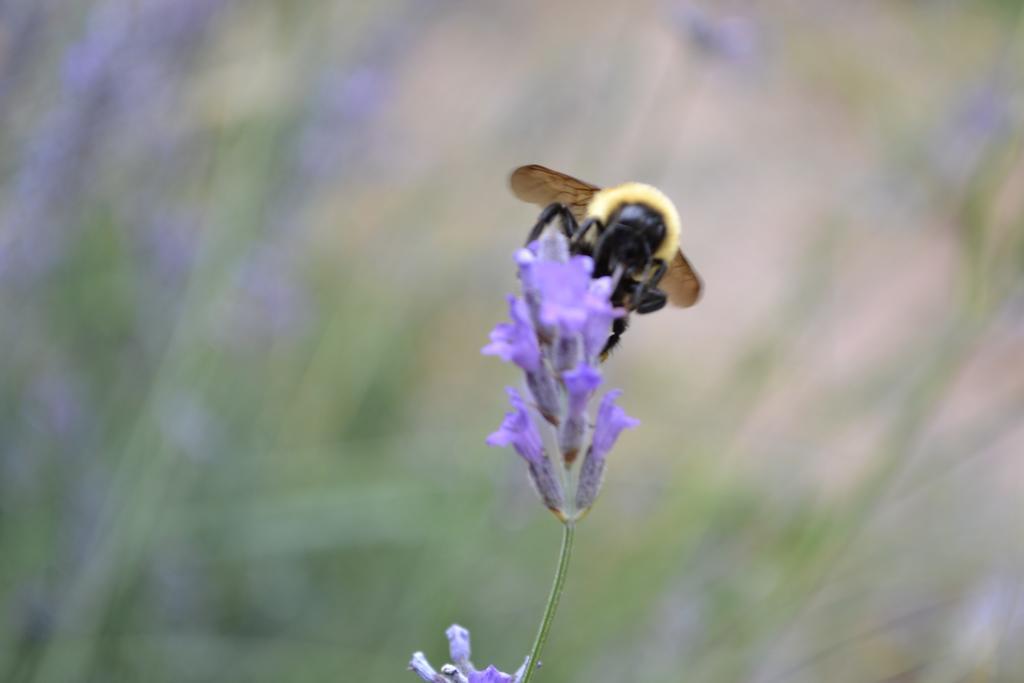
{"x": 249, "y": 252}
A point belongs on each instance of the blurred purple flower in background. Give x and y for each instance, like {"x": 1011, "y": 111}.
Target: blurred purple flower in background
{"x": 979, "y": 118}
{"x": 55, "y": 403}
{"x": 266, "y": 301}
{"x": 344, "y": 104}
{"x": 732, "y": 39}
{"x": 119, "y": 76}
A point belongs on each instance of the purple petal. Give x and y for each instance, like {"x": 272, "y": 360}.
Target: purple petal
{"x": 516, "y": 341}
{"x": 580, "y": 384}
{"x": 489, "y": 675}
{"x": 611, "y": 420}
{"x": 519, "y": 430}
{"x": 563, "y": 289}
{"x": 600, "y": 314}
{"x": 458, "y": 644}
{"x": 526, "y": 259}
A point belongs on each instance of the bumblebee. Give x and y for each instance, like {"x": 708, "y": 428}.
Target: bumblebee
{"x": 630, "y": 230}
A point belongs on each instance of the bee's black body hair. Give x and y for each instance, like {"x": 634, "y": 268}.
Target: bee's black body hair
{"x": 626, "y": 246}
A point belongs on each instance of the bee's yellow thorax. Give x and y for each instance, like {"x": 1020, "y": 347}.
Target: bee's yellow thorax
{"x": 604, "y": 203}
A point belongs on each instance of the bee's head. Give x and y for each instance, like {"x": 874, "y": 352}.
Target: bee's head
{"x": 634, "y": 232}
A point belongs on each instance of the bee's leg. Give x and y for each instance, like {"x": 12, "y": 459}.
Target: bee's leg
{"x": 619, "y": 326}
{"x": 647, "y": 298}
{"x": 550, "y": 212}
{"x": 581, "y": 232}
{"x": 603, "y": 252}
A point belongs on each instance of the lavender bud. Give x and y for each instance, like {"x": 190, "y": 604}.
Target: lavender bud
{"x": 421, "y": 666}
{"x": 458, "y": 647}
{"x": 519, "y": 430}
{"x": 526, "y": 260}
{"x": 611, "y": 420}
{"x": 516, "y": 342}
{"x": 544, "y": 390}
{"x": 591, "y": 476}
{"x": 580, "y": 385}
{"x": 566, "y": 353}
{"x": 548, "y": 486}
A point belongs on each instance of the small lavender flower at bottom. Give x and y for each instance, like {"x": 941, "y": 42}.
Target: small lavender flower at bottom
{"x": 462, "y": 671}
{"x": 611, "y": 420}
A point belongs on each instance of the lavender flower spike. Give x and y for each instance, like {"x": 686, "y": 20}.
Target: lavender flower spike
{"x": 556, "y": 333}
{"x": 611, "y": 420}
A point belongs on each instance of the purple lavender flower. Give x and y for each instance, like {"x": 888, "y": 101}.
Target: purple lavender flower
{"x": 462, "y": 671}
{"x": 519, "y": 431}
{"x": 611, "y": 420}
{"x": 563, "y": 288}
{"x": 555, "y": 337}
{"x": 516, "y": 342}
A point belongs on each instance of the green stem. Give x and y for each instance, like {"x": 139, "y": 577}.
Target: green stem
{"x": 569, "y": 531}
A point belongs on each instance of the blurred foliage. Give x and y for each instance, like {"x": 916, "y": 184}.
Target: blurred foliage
{"x": 249, "y": 252}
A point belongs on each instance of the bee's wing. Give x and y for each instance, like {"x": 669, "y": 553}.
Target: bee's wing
{"x": 542, "y": 186}
{"x": 681, "y": 282}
